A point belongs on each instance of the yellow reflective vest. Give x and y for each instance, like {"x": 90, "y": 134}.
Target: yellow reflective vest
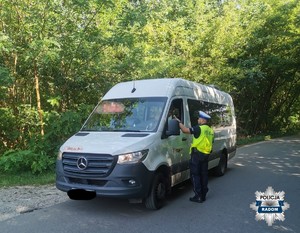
{"x": 205, "y": 141}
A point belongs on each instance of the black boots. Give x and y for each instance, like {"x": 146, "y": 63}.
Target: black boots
{"x": 197, "y": 199}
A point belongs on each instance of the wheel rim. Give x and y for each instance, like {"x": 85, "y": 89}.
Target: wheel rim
{"x": 160, "y": 191}
{"x": 223, "y": 168}
{"x": 223, "y": 165}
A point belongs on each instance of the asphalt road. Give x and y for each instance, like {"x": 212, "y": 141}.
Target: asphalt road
{"x": 274, "y": 163}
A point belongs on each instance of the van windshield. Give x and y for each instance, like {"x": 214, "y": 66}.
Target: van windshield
{"x": 135, "y": 115}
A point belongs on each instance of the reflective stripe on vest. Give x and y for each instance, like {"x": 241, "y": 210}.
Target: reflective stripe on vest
{"x": 204, "y": 142}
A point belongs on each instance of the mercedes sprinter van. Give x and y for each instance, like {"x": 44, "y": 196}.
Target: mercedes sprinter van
{"x": 130, "y": 147}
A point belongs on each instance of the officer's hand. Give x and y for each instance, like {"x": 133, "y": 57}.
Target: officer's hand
{"x": 176, "y": 119}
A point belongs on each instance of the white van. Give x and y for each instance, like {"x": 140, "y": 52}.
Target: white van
{"x": 130, "y": 147}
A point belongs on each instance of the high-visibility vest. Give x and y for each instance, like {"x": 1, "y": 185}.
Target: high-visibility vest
{"x": 205, "y": 141}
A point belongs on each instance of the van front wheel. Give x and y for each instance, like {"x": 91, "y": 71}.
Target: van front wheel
{"x": 157, "y": 193}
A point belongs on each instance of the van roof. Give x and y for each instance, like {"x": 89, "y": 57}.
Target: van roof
{"x": 166, "y": 87}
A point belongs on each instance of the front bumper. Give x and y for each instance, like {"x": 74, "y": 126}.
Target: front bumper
{"x": 124, "y": 181}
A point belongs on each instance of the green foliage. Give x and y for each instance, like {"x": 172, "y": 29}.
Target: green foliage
{"x": 32, "y": 151}
{"x": 7, "y": 135}
{"x": 60, "y": 126}
{"x": 25, "y": 160}
{"x": 264, "y": 76}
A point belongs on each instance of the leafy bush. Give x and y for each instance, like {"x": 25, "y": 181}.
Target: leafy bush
{"x": 24, "y": 149}
{"x": 25, "y": 160}
{"x": 8, "y": 134}
{"x": 60, "y": 126}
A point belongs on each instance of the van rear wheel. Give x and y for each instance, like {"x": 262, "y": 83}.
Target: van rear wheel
{"x": 157, "y": 193}
{"x": 222, "y": 166}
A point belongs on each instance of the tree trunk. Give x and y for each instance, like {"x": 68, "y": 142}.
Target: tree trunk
{"x": 38, "y": 98}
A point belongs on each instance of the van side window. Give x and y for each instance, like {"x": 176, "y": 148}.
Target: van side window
{"x": 221, "y": 115}
{"x": 176, "y": 109}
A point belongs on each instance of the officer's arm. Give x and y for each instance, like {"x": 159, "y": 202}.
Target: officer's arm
{"x": 182, "y": 127}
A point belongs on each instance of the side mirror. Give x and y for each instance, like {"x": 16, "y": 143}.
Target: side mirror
{"x": 172, "y": 128}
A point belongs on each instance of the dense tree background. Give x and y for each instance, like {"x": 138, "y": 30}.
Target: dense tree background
{"x": 58, "y": 58}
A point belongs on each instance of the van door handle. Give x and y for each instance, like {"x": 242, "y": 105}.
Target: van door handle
{"x": 178, "y": 150}
{"x": 184, "y": 139}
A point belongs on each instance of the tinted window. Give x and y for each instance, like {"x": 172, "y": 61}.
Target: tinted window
{"x": 221, "y": 115}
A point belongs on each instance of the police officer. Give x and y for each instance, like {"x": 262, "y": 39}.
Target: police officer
{"x": 201, "y": 147}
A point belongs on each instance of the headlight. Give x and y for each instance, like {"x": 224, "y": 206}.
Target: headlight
{"x": 59, "y": 155}
{"x": 133, "y": 157}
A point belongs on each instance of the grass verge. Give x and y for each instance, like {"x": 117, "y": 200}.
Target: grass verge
{"x": 249, "y": 140}
{"x": 246, "y": 140}
{"x": 26, "y": 178}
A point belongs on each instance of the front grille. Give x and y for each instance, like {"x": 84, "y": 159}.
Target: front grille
{"x": 98, "y": 165}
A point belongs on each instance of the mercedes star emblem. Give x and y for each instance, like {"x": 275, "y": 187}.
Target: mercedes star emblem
{"x": 82, "y": 163}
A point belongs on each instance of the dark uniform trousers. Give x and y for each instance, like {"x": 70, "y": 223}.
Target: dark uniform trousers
{"x": 199, "y": 173}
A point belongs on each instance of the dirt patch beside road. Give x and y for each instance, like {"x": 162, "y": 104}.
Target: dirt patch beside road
{"x": 23, "y": 199}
